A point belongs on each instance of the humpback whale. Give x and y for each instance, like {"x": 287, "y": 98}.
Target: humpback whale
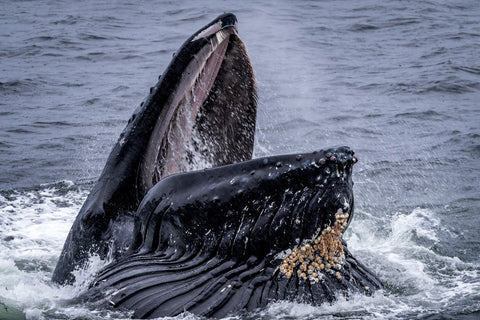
{"x": 189, "y": 222}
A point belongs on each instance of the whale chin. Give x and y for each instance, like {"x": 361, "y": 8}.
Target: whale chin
{"x": 191, "y": 223}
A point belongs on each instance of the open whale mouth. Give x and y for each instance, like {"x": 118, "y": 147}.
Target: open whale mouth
{"x": 208, "y": 118}
{"x": 200, "y": 114}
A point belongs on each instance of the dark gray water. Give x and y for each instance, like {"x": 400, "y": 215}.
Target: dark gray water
{"x": 398, "y": 81}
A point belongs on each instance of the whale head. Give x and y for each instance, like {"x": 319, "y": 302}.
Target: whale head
{"x": 191, "y": 223}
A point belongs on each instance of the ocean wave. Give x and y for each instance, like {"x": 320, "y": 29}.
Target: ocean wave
{"x": 473, "y": 70}
{"x": 423, "y": 115}
{"x": 68, "y": 20}
{"x": 19, "y": 86}
{"x": 450, "y": 85}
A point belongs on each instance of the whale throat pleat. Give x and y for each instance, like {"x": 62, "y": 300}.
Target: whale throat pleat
{"x": 207, "y": 286}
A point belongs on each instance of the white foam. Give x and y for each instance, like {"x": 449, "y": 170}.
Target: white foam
{"x": 34, "y": 225}
{"x": 359, "y": 306}
{"x": 419, "y": 278}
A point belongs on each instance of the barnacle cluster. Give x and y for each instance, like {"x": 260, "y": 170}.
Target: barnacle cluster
{"x": 323, "y": 254}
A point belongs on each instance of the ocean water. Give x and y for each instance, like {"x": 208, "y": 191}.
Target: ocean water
{"x": 398, "y": 81}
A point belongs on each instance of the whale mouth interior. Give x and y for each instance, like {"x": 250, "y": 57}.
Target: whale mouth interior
{"x": 205, "y": 115}
{"x": 179, "y": 141}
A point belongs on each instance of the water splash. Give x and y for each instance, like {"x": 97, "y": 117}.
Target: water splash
{"x": 417, "y": 277}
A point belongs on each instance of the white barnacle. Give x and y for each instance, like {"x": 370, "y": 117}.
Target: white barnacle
{"x": 122, "y": 141}
{"x": 283, "y": 254}
{"x": 113, "y": 294}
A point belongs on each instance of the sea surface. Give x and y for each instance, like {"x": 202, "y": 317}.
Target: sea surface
{"x": 398, "y": 81}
